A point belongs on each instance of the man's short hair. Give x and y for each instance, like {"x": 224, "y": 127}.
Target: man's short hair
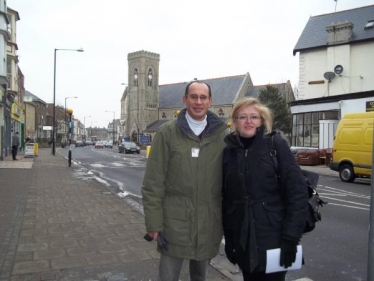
{"x": 197, "y": 81}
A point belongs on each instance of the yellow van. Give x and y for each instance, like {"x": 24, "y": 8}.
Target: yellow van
{"x": 353, "y": 146}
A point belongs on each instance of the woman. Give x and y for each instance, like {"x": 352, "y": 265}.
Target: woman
{"x": 263, "y": 208}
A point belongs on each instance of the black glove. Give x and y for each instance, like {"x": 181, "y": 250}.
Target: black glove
{"x": 162, "y": 242}
{"x": 288, "y": 252}
{"x": 230, "y": 251}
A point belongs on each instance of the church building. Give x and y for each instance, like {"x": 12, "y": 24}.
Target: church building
{"x": 146, "y": 105}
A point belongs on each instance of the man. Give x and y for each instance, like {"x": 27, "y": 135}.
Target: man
{"x": 182, "y": 186}
{"x": 15, "y": 144}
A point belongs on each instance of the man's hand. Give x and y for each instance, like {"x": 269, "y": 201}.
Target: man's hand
{"x": 153, "y": 235}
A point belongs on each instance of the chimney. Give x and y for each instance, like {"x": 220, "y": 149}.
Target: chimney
{"x": 338, "y": 33}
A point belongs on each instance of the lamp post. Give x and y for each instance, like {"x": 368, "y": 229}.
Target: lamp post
{"x": 84, "y": 125}
{"x": 70, "y": 112}
{"x": 54, "y": 98}
{"x": 65, "y": 115}
{"x": 113, "y": 124}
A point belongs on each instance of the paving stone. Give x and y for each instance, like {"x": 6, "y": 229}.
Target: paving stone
{"x": 77, "y": 235}
{"x": 49, "y": 238}
{"x": 30, "y": 267}
{"x": 131, "y": 232}
{"x": 60, "y": 230}
{"x": 88, "y": 242}
{"x": 134, "y": 256}
{"x": 67, "y": 262}
{"x": 114, "y": 248}
{"x": 32, "y": 232}
{"x": 29, "y": 247}
{"x": 52, "y": 275}
{"x": 24, "y": 256}
{"x": 104, "y": 234}
{"x": 85, "y": 228}
{"x": 141, "y": 246}
{"x": 58, "y": 220}
{"x": 81, "y": 251}
{"x": 67, "y": 243}
{"x": 101, "y": 259}
{"x": 49, "y": 254}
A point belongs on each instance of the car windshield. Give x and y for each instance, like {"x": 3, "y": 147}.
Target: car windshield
{"x": 130, "y": 144}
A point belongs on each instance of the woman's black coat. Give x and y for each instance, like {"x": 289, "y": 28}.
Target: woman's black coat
{"x": 257, "y": 210}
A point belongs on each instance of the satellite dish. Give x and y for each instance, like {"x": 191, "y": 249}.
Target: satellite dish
{"x": 329, "y": 75}
{"x": 338, "y": 69}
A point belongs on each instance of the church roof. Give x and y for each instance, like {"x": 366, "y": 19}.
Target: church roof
{"x": 153, "y": 127}
{"x": 224, "y": 91}
{"x": 255, "y": 90}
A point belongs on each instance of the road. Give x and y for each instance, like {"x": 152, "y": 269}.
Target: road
{"x": 336, "y": 250}
{"x": 119, "y": 171}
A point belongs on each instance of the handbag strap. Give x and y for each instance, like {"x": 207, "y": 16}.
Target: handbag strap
{"x": 273, "y": 154}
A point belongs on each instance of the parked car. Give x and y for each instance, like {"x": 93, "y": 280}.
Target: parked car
{"x": 108, "y": 144}
{"x": 79, "y": 144}
{"x": 99, "y": 144}
{"x": 88, "y": 142}
{"x": 128, "y": 147}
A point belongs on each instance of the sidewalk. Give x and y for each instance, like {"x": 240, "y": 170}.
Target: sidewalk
{"x": 322, "y": 170}
{"x": 56, "y": 226}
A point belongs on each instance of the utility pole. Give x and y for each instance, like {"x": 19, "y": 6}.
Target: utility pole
{"x": 70, "y": 112}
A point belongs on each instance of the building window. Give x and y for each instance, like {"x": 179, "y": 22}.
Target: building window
{"x": 369, "y": 24}
{"x": 150, "y": 77}
{"x": 136, "y": 77}
{"x": 163, "y": 115}
{"x": 305, "y": 127}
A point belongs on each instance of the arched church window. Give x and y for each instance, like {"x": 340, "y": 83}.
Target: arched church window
{"x": 150, "y": 77}
{"x": 136, "y": 77}
{"x": 163, "y": 115}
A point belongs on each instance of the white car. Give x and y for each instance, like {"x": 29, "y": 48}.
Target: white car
{"x": 108, "y": 144}
{"x": 99, "y": 144}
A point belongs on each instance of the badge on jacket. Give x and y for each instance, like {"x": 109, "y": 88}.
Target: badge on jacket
{"x": 195, "y": 152}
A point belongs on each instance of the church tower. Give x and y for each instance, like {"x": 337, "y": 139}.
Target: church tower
{"x": 142, "y": 99}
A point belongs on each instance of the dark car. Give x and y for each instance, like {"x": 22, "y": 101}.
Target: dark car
{"x": 128, "y": 147}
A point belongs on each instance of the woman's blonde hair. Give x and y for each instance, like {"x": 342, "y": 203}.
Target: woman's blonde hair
{"x": 265, "y": 112}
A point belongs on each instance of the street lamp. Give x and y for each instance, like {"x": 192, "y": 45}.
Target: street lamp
{"x": 65, "y": 115}
{"x": 84, "y": 124}
{"x": 113, "y": 124}
{"x": 70, "y": 112}
{"x": 54, "y": 98}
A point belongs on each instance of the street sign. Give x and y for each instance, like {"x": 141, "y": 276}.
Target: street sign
{"x": 144, "y": 139}
{"x": 47, "y": 128}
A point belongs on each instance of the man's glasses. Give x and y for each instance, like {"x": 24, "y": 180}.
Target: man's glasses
{"x": 196, "y": 97}
{"x": 243, "y": 117}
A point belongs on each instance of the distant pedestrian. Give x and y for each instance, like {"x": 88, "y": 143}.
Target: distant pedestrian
{"x": 15, "y": 144}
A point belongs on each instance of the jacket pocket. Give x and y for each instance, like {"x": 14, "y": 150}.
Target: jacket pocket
{"x": 217, "y": 231}
{"x": 177, "y": 225}
{"x": 275, "y": 215}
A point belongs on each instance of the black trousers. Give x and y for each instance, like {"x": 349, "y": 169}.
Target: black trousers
{"x": 14, "y": 151}
{"x": 262, "y": 276}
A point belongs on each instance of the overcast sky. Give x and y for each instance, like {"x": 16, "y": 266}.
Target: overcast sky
{"x": 195, "y": 39}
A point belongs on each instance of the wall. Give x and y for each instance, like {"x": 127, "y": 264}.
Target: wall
{"x": 357, "y": 61}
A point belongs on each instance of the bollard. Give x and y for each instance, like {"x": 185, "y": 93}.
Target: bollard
{"x": 148, "y": 151}
{"x": 36, "y": 147}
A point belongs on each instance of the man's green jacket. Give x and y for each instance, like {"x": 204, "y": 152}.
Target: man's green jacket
{"x": 182, "y": 187}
